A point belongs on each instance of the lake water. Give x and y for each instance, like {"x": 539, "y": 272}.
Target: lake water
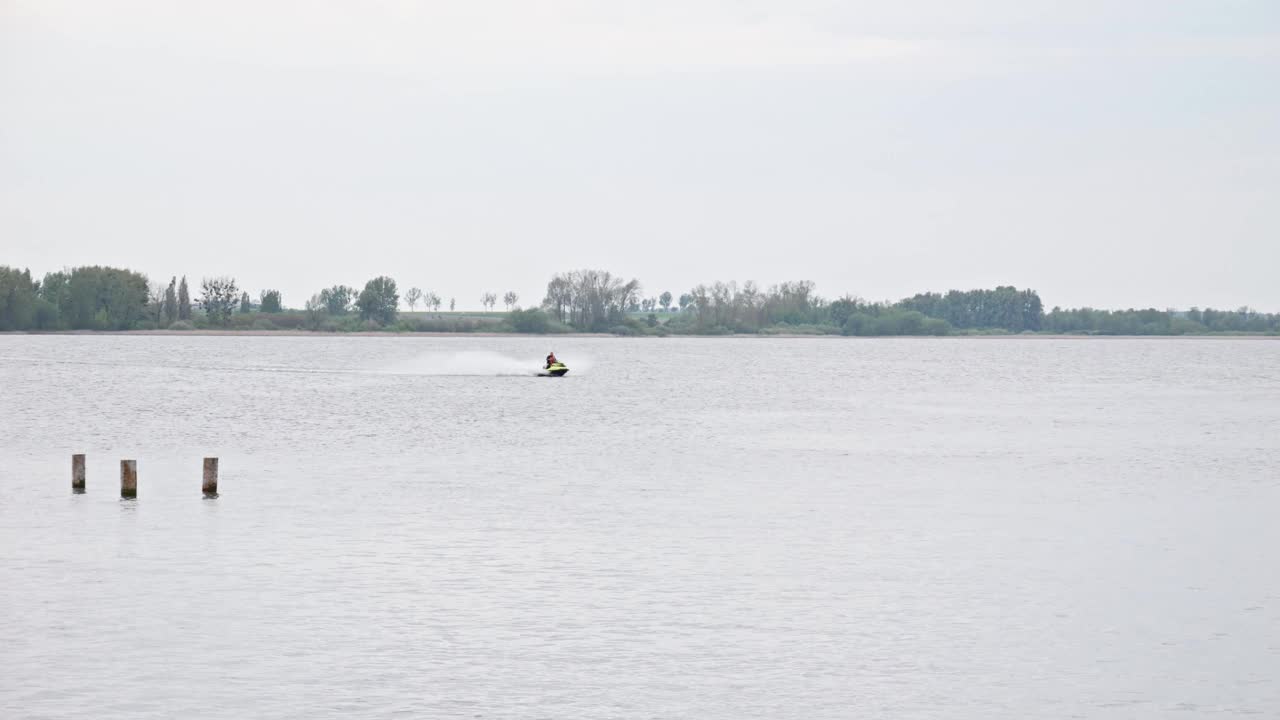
{"x": 681, "y": 528}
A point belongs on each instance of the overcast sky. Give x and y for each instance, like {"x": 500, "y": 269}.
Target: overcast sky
{"x": 1110, "y": 153}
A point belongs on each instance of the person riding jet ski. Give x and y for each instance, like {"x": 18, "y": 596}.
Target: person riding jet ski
{"x": 554, "y": 367}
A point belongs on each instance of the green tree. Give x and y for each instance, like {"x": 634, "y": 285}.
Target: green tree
{"x": 510, "y": 299}
{"x": 412, "y": 297}
{"x": 17, "y": 299}
{"x": 1005, "y": 307}
{"x": 103, "y": 298}
{"x": 338, "y": 299}
{"x": 841, "y": 309}
{"x": 313, "y": 311}
{"x": 55, "y": 294}
{"x": 269, "y": 302}
{"x": 155, "y": 301}
{"x": 218, "y": 299}
{"x": 171, "y": 302}
{"x": 184, "y": 300}
{"x": 665, "y": 300}
{"x": 379, "y": 300}
{"x": 489, "y": 300}
{"x": 246, "y": 305}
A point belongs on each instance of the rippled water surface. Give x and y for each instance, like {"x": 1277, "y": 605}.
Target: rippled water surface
{"x": 693, "y": 528}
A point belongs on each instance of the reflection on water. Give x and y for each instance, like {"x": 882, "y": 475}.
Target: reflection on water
{"x": 903, "y": 528}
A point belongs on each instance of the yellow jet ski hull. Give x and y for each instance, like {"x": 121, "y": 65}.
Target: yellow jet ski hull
{"x": 554, "y": 370}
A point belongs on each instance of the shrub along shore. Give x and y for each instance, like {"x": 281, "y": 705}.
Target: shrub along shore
{"x": 589, "y": 301}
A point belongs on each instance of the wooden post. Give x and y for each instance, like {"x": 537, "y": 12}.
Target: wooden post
{"x": 128, "y": 478}
{"x": 210, "y": 485}
{"x": 77, "y": 473}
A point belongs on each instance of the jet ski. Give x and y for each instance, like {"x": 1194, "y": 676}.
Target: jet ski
{"x": 556, "y": 369}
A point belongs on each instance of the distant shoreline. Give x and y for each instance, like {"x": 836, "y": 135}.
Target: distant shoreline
{"x": 751, "y": 336}
{"x": 121, "y": 300}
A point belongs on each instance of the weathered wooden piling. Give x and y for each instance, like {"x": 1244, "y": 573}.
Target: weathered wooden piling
{"x": 128, "y": 478}
{"x": 210, "y": 485}
{"x": 77, "y": 473}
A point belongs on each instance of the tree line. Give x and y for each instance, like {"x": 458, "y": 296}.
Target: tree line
{"x": 729, "y": 307}
{"x": 591, "y": 300}
{"x": 1160, "y": 322}
{"x": 96, "y": 298}
{"x": 105, "y": 298}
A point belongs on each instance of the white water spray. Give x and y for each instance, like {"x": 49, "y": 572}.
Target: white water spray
{"x": 483, "y": 363}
